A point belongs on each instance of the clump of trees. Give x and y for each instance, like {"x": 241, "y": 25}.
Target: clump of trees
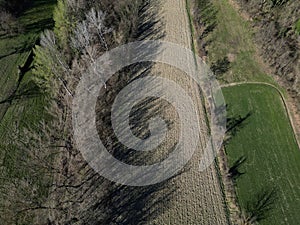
{"x": 50, "y": 63}
{"x": 87, "y": 39}
{"x": 65, "y": 15}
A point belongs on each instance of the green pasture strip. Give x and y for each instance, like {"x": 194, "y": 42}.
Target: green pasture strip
{"x": 233, "y": 37}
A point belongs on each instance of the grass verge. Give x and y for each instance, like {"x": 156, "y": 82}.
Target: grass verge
{"x": 194, "y": 48}
{"x": 15, "y": 49}
{"x": 232, "y": 37}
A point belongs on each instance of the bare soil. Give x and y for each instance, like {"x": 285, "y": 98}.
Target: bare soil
{"x": 198, "y": 198}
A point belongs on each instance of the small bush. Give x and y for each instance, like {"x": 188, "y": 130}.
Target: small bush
{"x": 221, "y": 66}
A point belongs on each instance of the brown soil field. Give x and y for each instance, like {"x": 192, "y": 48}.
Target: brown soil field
{"x": 198, "y": 198}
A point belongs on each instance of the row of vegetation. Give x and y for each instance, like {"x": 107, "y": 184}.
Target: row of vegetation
{"x": 36, "y": 138}
{"x": 227, "y": 41}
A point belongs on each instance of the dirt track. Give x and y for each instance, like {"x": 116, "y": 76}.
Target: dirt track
{"x": 197, "y": 198}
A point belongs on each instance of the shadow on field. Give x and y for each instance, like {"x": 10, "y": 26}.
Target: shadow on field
{"x": 40, "y": 25}
{"x": 30, "y": 18}
{"x": 234, "y": 171}
{"x": 147, "y": 27}
{"x": 21, "y": 48}
{"x": 261, "y": 206}
{"x": 235, "y": 124}
{"x": 150, "y": 27}
{"x": 132, "y": 205}
{"x": 31, "y": 91}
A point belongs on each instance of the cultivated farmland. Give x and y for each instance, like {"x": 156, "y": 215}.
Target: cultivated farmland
{"x": 266, "y": 139}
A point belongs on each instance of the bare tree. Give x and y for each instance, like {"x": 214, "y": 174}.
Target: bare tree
{"x": 96, "y": 21}
{"x": 76, "y": 5}
{"x": 84, "y": 34}
{"x": 87, "y": 36}
{"x": 82, "y": 39}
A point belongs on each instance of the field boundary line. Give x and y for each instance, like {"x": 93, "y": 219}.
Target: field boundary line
{"x": 289, "y": 114}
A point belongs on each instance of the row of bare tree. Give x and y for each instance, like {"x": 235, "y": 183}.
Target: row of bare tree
{"x": 52, "y": 183}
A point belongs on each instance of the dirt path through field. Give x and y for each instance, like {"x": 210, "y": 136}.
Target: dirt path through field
{"x": 198, "y": 198}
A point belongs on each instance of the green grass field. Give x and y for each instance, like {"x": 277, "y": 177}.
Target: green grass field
{"x": 26, "y": 109}
{"x": 273, "y": 157}
{"x": 15, "y": 49}
{"x": 233, "y": 37}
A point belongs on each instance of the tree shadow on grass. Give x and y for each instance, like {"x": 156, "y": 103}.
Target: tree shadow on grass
{"x": 261, "y": 206}
{"x": 220, "y": 67}
{"x": 40, "y": 25}
{"x": 28, "y": 92}
{"x": 235, "y": 124}
{"x": 234, "y": 171}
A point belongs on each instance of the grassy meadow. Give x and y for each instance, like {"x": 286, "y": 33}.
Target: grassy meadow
{"x": 272, "y": 156}
{"x": 232, "y": 37}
